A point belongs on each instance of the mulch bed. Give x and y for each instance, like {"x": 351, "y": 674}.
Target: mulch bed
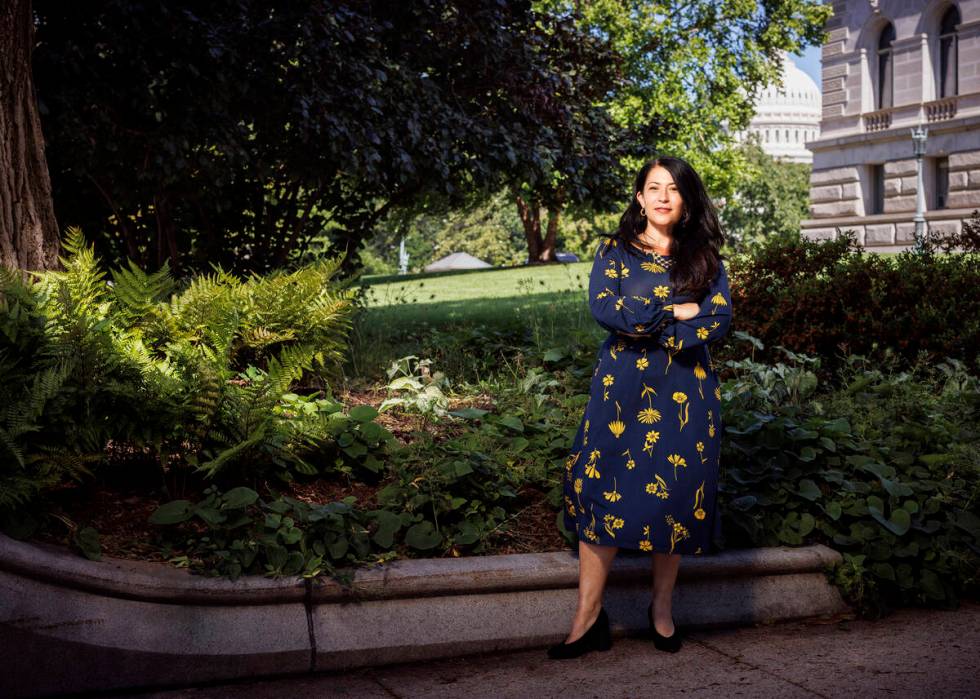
{"x": 118, "y": 506}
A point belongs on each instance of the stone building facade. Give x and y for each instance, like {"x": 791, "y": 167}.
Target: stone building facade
{"x": 888, "y": 66}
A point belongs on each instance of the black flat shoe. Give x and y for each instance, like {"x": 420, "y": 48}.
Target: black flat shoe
{"x": 671, "y": 643}
{"x": 596, "y": 638}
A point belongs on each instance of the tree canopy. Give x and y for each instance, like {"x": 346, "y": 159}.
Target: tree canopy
{"x": 236, "y": 131}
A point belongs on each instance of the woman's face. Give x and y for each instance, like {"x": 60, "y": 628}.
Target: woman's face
{"x": 661, "y": 198}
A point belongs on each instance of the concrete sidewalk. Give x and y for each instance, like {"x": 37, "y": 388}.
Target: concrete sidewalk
{"x": 912, "y": 653}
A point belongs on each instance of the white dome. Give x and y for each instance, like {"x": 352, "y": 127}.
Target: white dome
{"x": 798, "y": 90}
{"x": 788, "y": 115}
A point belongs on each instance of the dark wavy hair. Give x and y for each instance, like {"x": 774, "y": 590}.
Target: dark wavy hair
{"x": 695, "y": 242}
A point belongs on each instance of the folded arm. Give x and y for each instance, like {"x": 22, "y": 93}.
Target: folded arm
{"x": 709, "y": 324}
{"x": 617, "y": 312}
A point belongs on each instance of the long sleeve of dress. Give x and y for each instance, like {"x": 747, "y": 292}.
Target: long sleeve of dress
{"x": 614, "y": 311}
{"x": 711, "y": 322}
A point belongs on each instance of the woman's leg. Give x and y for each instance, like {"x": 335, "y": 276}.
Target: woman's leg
{"x": 594, "y": 563}
{"x": 664, "y": 575}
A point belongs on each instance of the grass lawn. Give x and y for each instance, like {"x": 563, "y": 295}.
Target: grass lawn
{"x": 476, "y": 284}
{"x": 461, "y": 319}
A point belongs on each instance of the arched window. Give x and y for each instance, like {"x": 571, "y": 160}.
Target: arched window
{"x": 885, "y": 67}
{"x": 796, "y": 136}
{"x": 787, "y": 136}
{"x": 948, "y": 53}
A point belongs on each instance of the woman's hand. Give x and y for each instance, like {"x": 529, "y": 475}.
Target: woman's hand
{"x": 686, "y": 311}
{"x": 682, "y": 311}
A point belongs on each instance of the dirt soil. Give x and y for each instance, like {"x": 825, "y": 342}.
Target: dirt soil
{"x": 118, "y": 507}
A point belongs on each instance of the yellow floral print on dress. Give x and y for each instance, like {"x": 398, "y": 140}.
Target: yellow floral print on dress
{"x": 612, "y": 495}
{"x": 658, "y": 487}
{"x": 611, "y": 522}
{"x": 673, "y": 347}
{"x": 649, "y": 414}
{"x": 678, "y": 532}
{"x": 699, "y": 513}
{"x": 607, "y": 381}
{"x": 652, "y": 356}
{"x": 675, "y": 461}
{"x": 617, "y": 426}
{"x": 682, "y": 408}
{"x": 650, "y": 440}
{"x": 590, "y": 467}
{"x": 700, "y": 375}
{"x": 717, "y": 300}
{"x": 630, "y": 464}
{"x": 642, "y": 363}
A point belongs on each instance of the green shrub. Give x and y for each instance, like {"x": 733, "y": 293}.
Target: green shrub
{"x": 832, "y": 299}
{"x": 885, "y": 470}
{"x": 203, "y": 375}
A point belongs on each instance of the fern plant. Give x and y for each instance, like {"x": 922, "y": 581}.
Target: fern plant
{"x": 85, "y": 361}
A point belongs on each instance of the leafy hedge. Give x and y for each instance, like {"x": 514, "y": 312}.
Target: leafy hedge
{"x": 885, "y": 470}
{"x": 832, "y": 299}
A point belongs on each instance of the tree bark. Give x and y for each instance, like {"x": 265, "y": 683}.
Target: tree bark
{"x": 28, "y": 229}
{"x": 547, "y": 253}
{"x": 530, "y": 214}
{"x": 540, "y": 249}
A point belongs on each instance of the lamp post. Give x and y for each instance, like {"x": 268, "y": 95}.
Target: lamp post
{"x": 919, "y": 149}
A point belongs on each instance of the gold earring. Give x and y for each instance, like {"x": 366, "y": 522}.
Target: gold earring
{"x": 643, "y": 212}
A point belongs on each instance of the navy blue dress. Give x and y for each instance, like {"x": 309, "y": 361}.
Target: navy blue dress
{"x": 643, "y": 468}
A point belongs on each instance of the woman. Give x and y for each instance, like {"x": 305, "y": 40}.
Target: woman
{"x": 643, "y": 469}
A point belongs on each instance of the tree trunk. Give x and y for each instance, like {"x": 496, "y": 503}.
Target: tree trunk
{"x": 540, "y": 249}
{"x": 28, "y": 229}
{"x": 530, "y": 213}
{"x": 548, "y": 247}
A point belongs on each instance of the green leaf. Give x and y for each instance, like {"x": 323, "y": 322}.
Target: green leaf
{"x": 808, "y": 454}
{"x": 294, "y": 563}
{"x": 512, "y": 422}
{"x": 371, "y": 432}
{"x": 897, "y": 524}
{"x": 553, "y": 355}
{"x": 239, "y": 497}
{"x": 87, "y": 540}
{"x": 363, "y": 413}
{"x": 172, "y": 512}
{"x": 745, "y": 502}
{"x": 467, "y": 533}
{"x": 807, "y": 522}
{"x": 833, "y": 510}
{"x": 883, "y": 570}
{"x": 469, "y": 413}
{"x": 338, "y": 548}
{"x": 277, "y": 556}
{"x": 895, "y": 488}
{"x": 809, "y": 490}
{"x": 210, "y": 515}
{"x": 828, "y": 444}
{"x": 422, "y": 536}
{"x": 292, "y": 536}
{"x": 388, "y": 524}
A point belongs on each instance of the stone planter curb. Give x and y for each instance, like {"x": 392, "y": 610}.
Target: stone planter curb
{"x": 74, "y": 625}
